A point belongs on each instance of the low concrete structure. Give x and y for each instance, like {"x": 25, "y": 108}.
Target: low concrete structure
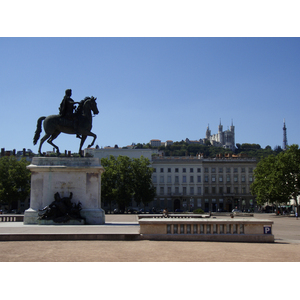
{"x": 247, "y": 215}
{"x": 11, "y": 218}
{"x": 81, "y": 176}
{"x": 225, "y": 230}
{"x": 69, "y": 222}
{"x": 176, "y": 216}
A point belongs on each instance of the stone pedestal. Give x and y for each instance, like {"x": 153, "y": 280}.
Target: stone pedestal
{"x": 81, "y": 176}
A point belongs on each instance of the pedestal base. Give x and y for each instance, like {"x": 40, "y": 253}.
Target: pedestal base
{"x": 30, "y": 216}
{"x": 79, "y": 176}
{"x": 70, "y": 222}
{"x": 93, "y": 216}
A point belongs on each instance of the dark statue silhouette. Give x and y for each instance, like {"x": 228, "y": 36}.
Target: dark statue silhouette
{"x": 61, "y": 210}
{"x": 78, "y": 122}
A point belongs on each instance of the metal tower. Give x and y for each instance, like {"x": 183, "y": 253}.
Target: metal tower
{"x": 284, "y": 136}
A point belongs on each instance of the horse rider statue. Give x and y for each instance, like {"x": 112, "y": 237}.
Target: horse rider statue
{"x": 68, "y": 121}
{"x": 66, "y": 109}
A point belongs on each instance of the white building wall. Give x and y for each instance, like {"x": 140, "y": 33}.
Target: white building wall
{"x": 204, "y": 183}
{"x": 155, "y": 143}
{"x": 131, "y": 153}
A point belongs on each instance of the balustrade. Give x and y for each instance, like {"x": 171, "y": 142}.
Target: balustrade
{"x": 252, "y": 230}
{"x": 9, "y": 218}
{"x": 205, "y": 228}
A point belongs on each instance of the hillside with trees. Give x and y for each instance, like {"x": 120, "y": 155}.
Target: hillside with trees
{"x": 184, "y": 149}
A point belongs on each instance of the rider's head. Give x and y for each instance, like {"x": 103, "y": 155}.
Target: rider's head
{"x": 68, "y": 92}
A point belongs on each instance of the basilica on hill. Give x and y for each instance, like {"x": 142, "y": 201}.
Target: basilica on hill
{"x": 225, "y": 139}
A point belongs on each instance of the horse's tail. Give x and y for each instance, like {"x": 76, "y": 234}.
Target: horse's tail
{"x": 38, "y": 130}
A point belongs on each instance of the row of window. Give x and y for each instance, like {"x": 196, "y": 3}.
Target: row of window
{"x": 206, "y": 170}
{"x": 207, "y": 190}
{"x": 236, "y": 178}
{"x": 199, "y": 201}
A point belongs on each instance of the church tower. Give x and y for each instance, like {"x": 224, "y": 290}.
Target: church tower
{"x": 220, "y": 127}
{"x": 207, "y": 136}
{"x": 220, "y": 133}
{"x": 284, "y": 144}
{"x": 232, "y": 127}
{"x": 233, "y": 135}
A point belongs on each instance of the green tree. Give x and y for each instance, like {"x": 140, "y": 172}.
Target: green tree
{"x": 277, "y": 178}
{"x": 125, "y": 179}
{"x": 139, "y": 146}
{"x": 290, "y": 163}
{"x": 144, "y": 191}
{"x": 193, "y": 149}
{"x": 14, "y": 180}
{"x": 109, "y": 180}
{"x": 261, "y": 187}
{"x": 246, "y": 146}
{"x": 117, "y": 182}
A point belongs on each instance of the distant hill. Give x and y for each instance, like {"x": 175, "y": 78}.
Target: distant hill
{"x": 242, "y": 150}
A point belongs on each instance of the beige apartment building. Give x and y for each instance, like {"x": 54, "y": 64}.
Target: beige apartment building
{"x": 187, "y": 183}
{"x": 212, "y": 184}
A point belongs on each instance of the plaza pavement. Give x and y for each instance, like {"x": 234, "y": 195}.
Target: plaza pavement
{"x": 286, "y": 247}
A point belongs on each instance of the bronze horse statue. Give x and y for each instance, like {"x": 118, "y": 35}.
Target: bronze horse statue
{"x": 80, "y": 125}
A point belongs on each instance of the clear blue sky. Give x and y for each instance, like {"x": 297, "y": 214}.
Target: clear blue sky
{"x": 153, "y": 88}
{"x": 162, "y": 88}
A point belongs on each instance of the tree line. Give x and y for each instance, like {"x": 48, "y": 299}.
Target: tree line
{"x": 277, "y": 178}
{"x": 185, "y": 149}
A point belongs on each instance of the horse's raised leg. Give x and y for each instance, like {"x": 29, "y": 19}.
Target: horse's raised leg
{"x": 94, "y": 136}
{"x": 83, "y": 138}
{"x": 53, "y": 137}
{"x": 45, "y": 137}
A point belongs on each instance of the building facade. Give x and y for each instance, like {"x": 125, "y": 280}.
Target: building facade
{"x": 156, "y": 143}
{"x": 188, "y": 183}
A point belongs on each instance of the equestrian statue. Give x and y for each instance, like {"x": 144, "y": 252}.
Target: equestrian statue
{"x": 68, "y": 121}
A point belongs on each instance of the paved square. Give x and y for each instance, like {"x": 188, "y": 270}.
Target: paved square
{"x": 285, "y": 249}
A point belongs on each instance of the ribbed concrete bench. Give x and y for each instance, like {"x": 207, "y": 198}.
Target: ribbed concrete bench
{"x": 218, "y": 230}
